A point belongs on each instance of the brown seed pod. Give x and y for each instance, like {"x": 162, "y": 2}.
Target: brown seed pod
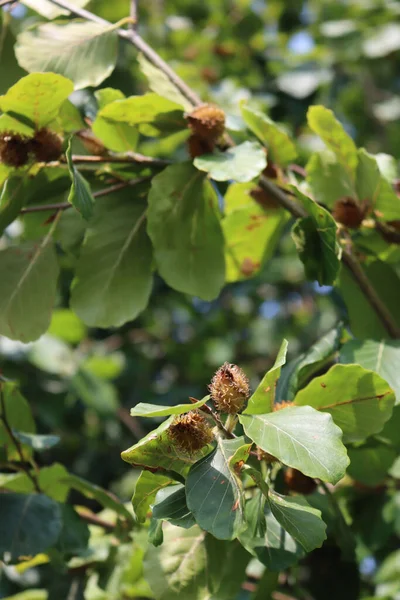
{"x": 297, "y": 482}
{"x": 46, "y": 145}
{"x": 263, "y": 198}
{"x": 271, "y": 170}
{"x": 207, "y": 122}
{"x": 281, "y": 405}
{"x": 350, "y": 213}
{"x": 14, "y": 149}
{"x": 190, "y": 432}
{"x": 229, "y": 389}
{"x": 197, "y": 146}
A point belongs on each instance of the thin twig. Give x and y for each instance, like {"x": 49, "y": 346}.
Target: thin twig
{"x": 66, "y": 205}
{"x": 132, "y": 157}
{"x": 93, "y": 519}
{"x": 5, "y": 2}
{"x": 216, "y": 418}
{"x": 134, "y": 14}
{"x": 134, "y": 38}
{"x": 17, "y": 444}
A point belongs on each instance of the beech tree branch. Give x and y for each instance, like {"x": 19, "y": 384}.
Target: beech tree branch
{"x": 134, "y": 13}
{"x": 132, "y": 157}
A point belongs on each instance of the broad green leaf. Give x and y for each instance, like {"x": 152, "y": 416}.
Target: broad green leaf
{"x": 328, "y": 179}
{"x": 370, "y": 464}
{"x": 147, "y": 486}
{"x": 66, "y": 326}
{"x": 30, "y": 594}
{"x": 155, "y": 410}
{"x": 251, "y": 232}
{"x": 300, "y": 437}
{"x": 161, "y": 84}
{"x": 80, "y": 195}
{"x": 28, "y": 275}
{"x": 94, "y": 492}
{"x": 47, "y": 9}
{"x": 241, "y": 163}
{"x": 359, "y": 401}
{"x": 214, "y": 492}
{"x": 323, "y": 122}
{"x": 156, "y": 452}
{"x": 281, "y": 149}
{"x": 113, "y": 275}
{"x": 178, "y": 568}
{"x": 375, "y": 188}
{"x": 69, "y": 118}
{"x": 186, "y": 232}
{"x": 11, "y": 202}
{"x": 382, "y": 357}
{"x": 156, "y": 534}
{"x": 170, "y": 505}
{"x": 37, "y": 442}
{"x": 19, "y": 417}
{"x": 29, "y": 524}
{"x": 155, "y": 115}
{"x": 299, "y": 519}
{"x": 37, "y": 97}
{"x": 266, "y": 539}
{"x": 298, "y": 371}
{"x": 315, "y": 239}
{"x": 118, "y": 137}
{"x": 74, "y": 536}
{"x": 225, "y": 577}
{"x": 83, "y": 51}
{"x": 50, "y": 480}
{"x": 262, "y": 401}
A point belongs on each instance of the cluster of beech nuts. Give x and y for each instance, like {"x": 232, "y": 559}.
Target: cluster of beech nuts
{"x": 16, "y": 150}
{"x": 207, "y": 125}
{"x": 349, "y": 212}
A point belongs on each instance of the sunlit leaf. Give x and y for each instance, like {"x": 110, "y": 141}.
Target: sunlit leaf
{"x": 262, "y": 401}
{"x": 155, "y": 410}
{"x": 241, "y": 163}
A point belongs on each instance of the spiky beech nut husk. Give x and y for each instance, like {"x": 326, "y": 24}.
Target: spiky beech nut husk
{"x": 297, "y": 482}
{"x": 207, "y": 122}
{"x": 190, "y": 432}
{"x": 281, "y": 405}
{"x": 46, "y": 145}
{"x": 349, "y": 212}
{"x": 271, "y": 170}
{"x": 390, "y": 231}
{"x": 14, "y": 149}
{"x": 197, "y": 146}
{"x": 229, "y": 389}
{"x": 263, "y": 198}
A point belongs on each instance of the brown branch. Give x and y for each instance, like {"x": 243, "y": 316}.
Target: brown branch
{"x": 131, "y": 157}
{"x": 17, "y": 444}
{"x": 134, "y": 38}
{"x": 6, "y": 2}
{"x": 93, "y": 519}
{"x": 66, "y": 205}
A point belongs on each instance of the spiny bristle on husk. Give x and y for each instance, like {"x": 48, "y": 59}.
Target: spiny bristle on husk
{"x": 281, "y": 405}
{"x": 46, "y": 145}
{"x": 229, "y": 389}
{"x": 207, "y": 122}
{"x": 198, "y": 146}
{"x": 14, "y": 149}
{"x": 190, "y": 432}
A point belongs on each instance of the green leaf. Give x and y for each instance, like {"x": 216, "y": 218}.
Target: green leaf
{"x": 370, "y": 464}
{"x": 359, "y": 401}
{"x": 186, "y": 232}
{"x": 382, "y": 357}
{"x": 299, "y": 519}
{"x": 37, "y": 97}
{"x": 298, "y": 371}
{"x": 328, "y": 179}
{"x": 19, "y": 417}
{"x": 214, "y": 492}
{"x": 85, "y": 52}
{"x": 28, "y": 275}
{"x": 155, "y": 115}
{"x": 113, "y": 276}
{"x": 178, "y": 568}
{"x": 156, "y": 452}
{"x": 37, "y": 442}
{"x": 315, "y": 239}
{"x": 262, "y": 401}
{"x": 74, "y": 536}
{"x": 161, "y": 84}
{"x": 66, "y": 326}
{"x": 11, "y": 202}
{"x": 170, "y": 505}
{"x": 69, "y": 118}
{"x": 280, "y": 147}
{"x": 94, "y": 492}
{"x": 29, "y": 524}
{"x": 156, "y": 410}
{"x": 80, "y": 195}
{"x": 156, "y": 534}
{"x": 225, "y": 577}
{"x": 147, "y": 486}
{"x": 117, "y": 137}
{"x": 251, "y": 232}
{"x": 241, "y": 163}
{"x": 51, "y": 481}
{"x": 375, "y": 188}
{"x": 47, "y": 9}
{"x": 323, "y": 122}
{"x": 302, "y": 438}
